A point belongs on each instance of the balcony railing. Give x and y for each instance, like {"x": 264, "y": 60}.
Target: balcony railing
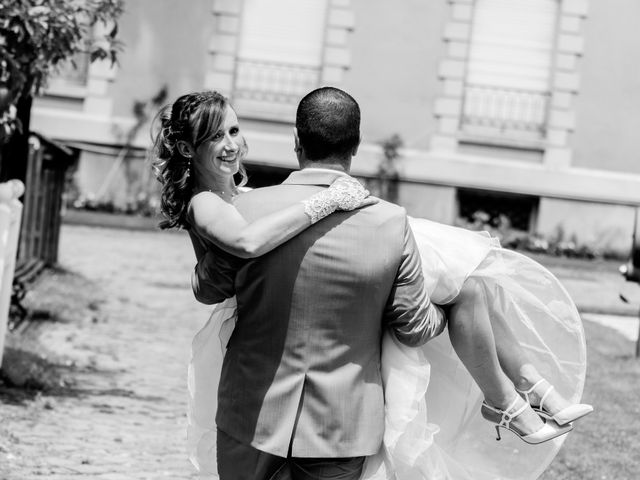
{"x": 505, "y": 112}
{"x": 273, "y": 82}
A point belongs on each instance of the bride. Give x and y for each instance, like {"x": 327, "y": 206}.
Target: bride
{"x": 514, "y": 333}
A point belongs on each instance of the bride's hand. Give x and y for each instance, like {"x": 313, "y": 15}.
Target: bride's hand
{"x": 350, "y": 194}
{"x": 368, "y": 201}
{"x": 344, "y": 194}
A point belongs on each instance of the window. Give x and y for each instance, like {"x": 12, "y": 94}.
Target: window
{"x": 509, "y": 69}
{"x": 280, "y": 54}
{"x": 495, "y": 208}
{"x": 70, "y": 77}
{"x": 76, "y": 71}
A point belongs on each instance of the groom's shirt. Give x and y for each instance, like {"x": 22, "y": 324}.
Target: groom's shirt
{"x": 302, "y": 368}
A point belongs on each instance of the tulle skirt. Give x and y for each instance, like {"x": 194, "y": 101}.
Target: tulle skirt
{"x": 433, "y": 425}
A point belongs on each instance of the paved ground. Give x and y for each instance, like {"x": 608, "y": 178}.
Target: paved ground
{"x": 627, "y": 326}
{"x": 127, "y": 420}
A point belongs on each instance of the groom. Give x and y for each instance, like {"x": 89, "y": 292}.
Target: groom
{"x": 301, "y": 384}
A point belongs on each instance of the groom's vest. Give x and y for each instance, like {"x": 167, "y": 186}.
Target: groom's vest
{"x": 302, "y": 369}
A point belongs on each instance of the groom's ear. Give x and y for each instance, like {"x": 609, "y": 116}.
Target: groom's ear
{"x": 296, "y": 142}
{"x": 354, "y": 152}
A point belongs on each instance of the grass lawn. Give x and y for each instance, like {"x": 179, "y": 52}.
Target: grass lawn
{"x": 606, "y": 444}
{"x": 56, "y": 296}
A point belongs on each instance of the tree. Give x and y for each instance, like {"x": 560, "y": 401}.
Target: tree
{"x": 36, "y": 38}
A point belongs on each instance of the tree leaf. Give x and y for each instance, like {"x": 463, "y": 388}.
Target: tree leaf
{"x": 39, "y": 10}
{"x": 98, "y": 54}
{"x": 38, "y": 34}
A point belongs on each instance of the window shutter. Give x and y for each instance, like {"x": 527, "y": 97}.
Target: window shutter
{"x": 509, "y": 66}
{"x": 283, "y": 31}
{"x": 279, "y": 55}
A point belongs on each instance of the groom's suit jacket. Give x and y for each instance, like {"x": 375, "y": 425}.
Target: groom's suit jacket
{"x": 302, "y": 369}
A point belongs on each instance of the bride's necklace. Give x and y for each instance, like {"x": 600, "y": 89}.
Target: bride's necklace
{"x": 226, "y": 194}
{"x": 226, "y": 190}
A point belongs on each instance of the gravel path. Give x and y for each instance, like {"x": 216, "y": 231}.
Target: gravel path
{"x": 126, "y": 418}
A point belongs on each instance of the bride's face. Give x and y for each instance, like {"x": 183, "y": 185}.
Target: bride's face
{"x": 221, "y": 153}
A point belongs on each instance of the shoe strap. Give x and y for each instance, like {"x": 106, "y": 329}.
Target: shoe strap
{"x": 526, "y": 393}
{"x": 549, "y": 390}
{"x": 507, "y": 414}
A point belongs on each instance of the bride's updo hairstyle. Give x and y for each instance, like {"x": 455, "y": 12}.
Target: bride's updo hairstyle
{"x": 193, "y": 118}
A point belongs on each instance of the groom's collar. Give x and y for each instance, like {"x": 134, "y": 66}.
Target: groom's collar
{"x": 313, "y": 176}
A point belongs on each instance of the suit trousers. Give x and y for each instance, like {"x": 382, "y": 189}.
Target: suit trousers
{"x": 237, "y": 461}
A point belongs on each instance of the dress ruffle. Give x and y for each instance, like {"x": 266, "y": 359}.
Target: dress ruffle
{"x": 205, "y": 366}
{"x": 432, "y": 405}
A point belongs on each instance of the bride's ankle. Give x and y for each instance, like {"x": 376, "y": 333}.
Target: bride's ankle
{"x": 528, "y": 378}
{"x": 542, "y": 390}
{"x": 502, "y": 402}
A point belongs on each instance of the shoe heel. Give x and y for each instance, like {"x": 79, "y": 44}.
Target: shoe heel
{"x": 498, "y": 433}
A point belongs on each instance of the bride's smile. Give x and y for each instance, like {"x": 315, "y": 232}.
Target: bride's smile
{"x": 220, "y": 154}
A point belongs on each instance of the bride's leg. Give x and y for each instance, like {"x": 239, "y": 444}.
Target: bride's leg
{"x": 473, "y": 340}
{"x": 517, "y": 364}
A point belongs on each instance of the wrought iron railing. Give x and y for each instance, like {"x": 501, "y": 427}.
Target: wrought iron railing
{"x": 273, "y": 82}
{"x": 505, "y": 111}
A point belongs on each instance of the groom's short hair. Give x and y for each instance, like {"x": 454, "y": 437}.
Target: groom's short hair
{"x": 328, "y": 123}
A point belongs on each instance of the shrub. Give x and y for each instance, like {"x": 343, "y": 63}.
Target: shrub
{"x": 555, "y": 244}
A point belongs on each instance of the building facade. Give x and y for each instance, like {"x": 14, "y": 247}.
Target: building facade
{"x": 526, "y": 108}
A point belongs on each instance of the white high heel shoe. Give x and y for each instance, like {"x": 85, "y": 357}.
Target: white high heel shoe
{"x": 503, "y": 419}
{"x": 564, "y": 416}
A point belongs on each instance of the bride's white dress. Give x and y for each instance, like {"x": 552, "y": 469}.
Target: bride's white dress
{"x": 434, "y": 430}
